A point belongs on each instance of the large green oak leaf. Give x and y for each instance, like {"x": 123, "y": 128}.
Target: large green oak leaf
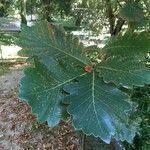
{"x": 98, "y": 108}
{"x": 44, "y": 39}
{"x": 42, "y": 87}
{"x": 127, "y": 72}
{"x": 129, "y": 44}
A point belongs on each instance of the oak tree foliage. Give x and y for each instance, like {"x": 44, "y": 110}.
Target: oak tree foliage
{"x": 64, "y": 75}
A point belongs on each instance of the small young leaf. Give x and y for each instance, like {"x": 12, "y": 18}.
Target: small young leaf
{"x": 88, "y": 69}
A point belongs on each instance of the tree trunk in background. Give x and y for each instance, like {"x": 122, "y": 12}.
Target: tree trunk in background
{"x": 118, "y": 27}
{"x": 114, "y": 29}
{"x": 110, "y": 16}
{"x": 78, "y": 20}
{"x": 47, "y": 9}
{"x": 47, "y": 13}
{"x": 61, "y": 14}
{"x": 23, "y": 11}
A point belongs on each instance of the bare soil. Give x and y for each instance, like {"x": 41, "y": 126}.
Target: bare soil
{"x": 19, "y": 129}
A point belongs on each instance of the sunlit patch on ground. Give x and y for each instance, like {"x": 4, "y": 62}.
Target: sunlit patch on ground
{"x": 9, "y": 52}
{"x": 9, "y": 58}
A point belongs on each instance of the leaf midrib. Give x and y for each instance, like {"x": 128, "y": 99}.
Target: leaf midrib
{"x": 68, "y": 54}
{"x": 59, "y": 85}
{"x": 93, "y": 100}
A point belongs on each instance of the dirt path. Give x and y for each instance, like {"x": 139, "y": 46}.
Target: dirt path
{"x": 19, "y": 129}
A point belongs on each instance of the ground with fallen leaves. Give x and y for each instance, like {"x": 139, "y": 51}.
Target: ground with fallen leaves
{"x": 19, "y": 129}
